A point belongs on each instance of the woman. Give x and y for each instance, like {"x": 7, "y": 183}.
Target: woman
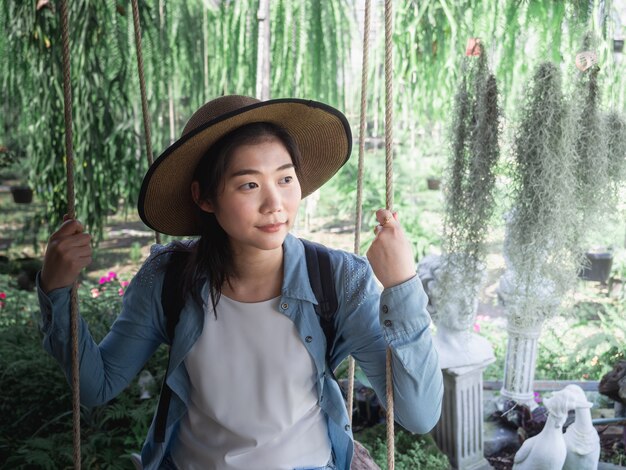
{"x": 251, "y": 384}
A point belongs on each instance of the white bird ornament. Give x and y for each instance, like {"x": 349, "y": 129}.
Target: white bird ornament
{"x": 581, "y": 438}
{"x": 546, "y": 450}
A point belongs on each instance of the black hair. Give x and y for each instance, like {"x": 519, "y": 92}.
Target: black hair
{"x": 211, "y": 255}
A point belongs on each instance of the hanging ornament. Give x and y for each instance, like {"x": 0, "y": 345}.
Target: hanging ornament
{"x": 585, "y": 60}
{"x": 473, "y": 47}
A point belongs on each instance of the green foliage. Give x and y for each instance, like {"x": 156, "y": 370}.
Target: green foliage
{"x": 197, "y": 50}
{"x": 104, "y": 165}
{"x": 592, "y": 167}
{"x": 412, "y": 452}
{"x": 542, "y": 228}
{"x": 413, "y": 204}
{"x": 17, "y": 307}
{"x": 583, "y": 343}
{"x": 183, "y": 70}
{"x": 36, "y": 429}
{"x": 615, "y": 132}
{"x": 471, "y": 176}
{"x": 617, "y": 454}
{"x": 135, "y": 253}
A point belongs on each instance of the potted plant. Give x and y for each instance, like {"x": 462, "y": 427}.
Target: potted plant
{"x": 22, "y": 194}
{"x": 454, "y": 279}
{"x": 11, "y": 169}
{"x": 600, "y": 149}
{"x": 541, "y": 226}
{"x": 597, "y": 265}
{"x": 433, "y": 183}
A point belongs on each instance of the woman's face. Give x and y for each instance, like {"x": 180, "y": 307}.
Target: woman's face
{"x": 259, "y": 196}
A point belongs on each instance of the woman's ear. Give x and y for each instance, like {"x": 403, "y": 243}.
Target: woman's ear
{"x": 206, "y": 206}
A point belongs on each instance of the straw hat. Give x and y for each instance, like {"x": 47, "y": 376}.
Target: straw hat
{"x": 321, "y": 132}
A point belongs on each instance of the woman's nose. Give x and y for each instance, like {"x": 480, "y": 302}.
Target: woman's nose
{"x": 271, "y": 200}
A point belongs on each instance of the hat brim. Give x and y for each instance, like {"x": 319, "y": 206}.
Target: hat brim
{"x": 321, "y": 132}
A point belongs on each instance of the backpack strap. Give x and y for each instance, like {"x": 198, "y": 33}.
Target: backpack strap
{"x": 322, "y": 282}
{"x": 173, "y": 302}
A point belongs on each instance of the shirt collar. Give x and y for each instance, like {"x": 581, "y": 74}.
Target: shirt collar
{"x": 296, "y": 282}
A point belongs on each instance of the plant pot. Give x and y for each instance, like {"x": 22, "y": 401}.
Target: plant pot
{"x": 618, "y": 45}
{"x": 598, "y": 267}
{"x": 22, "y": 194}
{"x": 433, "y": 183}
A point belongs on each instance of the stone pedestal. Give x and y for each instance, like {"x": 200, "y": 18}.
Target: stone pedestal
{"x": 519, "y": 367}
{"x": 459, "y": 433}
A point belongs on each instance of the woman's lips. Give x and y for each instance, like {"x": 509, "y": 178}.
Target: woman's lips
{"x": 270, "y": 228}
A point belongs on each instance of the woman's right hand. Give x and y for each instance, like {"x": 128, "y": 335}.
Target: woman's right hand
{"x": 68, "y": 252}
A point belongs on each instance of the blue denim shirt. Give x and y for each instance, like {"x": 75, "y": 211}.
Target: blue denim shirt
{"x": 367, "y": 321}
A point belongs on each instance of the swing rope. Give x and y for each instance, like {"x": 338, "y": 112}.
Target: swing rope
{"x": 389, "y": 202}
{"x": 388, "y": 195}
{"x": 359, "y": 180}
{"x": 71, "y": 212}
{"x": 142, "y": 87}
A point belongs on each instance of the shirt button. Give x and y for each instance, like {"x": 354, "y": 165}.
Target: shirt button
{"x": 308, "y": 339}
{"x": 285, "y": 306}
{"x": 347, "y": 427}
{"x": 385, "y": 309}
{"x": 388, "y": 323}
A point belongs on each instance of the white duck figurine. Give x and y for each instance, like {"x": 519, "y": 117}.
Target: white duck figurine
{"x": 581, "y": 438}
{"x": 546, "y": 451}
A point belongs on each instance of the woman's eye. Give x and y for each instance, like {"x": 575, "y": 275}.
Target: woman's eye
{"x": 249, "y": 186}
{"x": 286, "y": 179}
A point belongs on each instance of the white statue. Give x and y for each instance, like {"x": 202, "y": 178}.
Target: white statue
{"x": 547, "y": 450}
{"x": 454, "y": 313}
{"x": 581, "y": 438}
{"x": 146, "y": 383}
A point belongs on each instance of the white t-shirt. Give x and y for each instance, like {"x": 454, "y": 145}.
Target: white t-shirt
{"x": 253, "y": 399}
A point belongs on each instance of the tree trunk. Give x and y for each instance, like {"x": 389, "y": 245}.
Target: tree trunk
{"x": 263, "y": 52}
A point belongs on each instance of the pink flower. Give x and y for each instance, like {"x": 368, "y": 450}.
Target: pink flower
{"x": 95, "y": 292}
{"x": 103, "y": 280}
{"x": 120, "y": 291}
{"x": 124, "y": 283}
{"x": 476, "y": 327}
{"x": 111, "y": 275}
{"x": 537, "y": 397}
{"x": 3, "y": 295}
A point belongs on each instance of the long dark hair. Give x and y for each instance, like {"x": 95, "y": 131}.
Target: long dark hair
{"x": 211, "y": 255}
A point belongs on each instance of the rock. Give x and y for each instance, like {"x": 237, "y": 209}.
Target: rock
{"x": 613, "y": 383}
{"x": 497, "y": 437}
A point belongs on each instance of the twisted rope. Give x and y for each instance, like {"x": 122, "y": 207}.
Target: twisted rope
{"x": 389, "y": 203}
{"x": 142, "y": 87}
{"x": 359, "y": 184}
{"x": 71, "y": 211}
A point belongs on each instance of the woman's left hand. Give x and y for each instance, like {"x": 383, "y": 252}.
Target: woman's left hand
{"x": 390, "y": 253}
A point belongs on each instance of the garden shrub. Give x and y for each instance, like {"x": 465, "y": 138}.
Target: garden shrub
{"x": 36, "y": 425}
{"x": 412, "y": 452}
